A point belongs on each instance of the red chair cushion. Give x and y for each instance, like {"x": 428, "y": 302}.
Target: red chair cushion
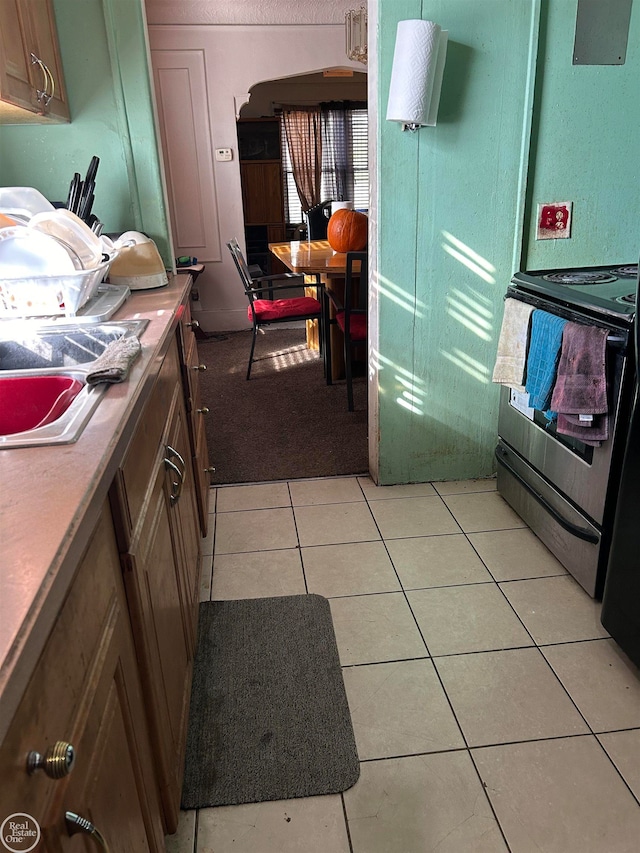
{"x": 278, "y": 309}
{"x": 358, "y": 327}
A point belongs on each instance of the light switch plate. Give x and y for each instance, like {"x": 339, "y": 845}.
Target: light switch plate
{"x": 224, "y": 154}
{"x": 554, "y": 220}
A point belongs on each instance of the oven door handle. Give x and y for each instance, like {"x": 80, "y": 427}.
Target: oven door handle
{"x": 579, "y": 532}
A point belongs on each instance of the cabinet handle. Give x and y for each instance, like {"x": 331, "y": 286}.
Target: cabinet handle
{"x": 210, "y": 470}
{"x": 194, "y": 324}
{"x": 199, "y": 367}
{"x": 203, "y": 411}
{"x": 76, "y": 824}
{"x": 173, "y": 452}
{"x": 42, "y": 95}
{"x": 57, "y": 761}
{"x": 176, "y": 487}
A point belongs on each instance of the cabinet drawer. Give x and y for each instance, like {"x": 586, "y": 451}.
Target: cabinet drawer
{"x": 54, "y": 704}
{"x": 137, "y": 472}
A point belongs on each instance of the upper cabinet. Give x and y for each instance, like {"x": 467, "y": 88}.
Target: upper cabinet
{"x": 31, "y": 81}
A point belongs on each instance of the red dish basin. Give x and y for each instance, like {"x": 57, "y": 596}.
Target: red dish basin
{"x": 27, "y": 402}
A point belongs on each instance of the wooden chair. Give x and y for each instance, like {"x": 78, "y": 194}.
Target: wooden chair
{"x": 351, "y": 313}
{"x": 264, "y": 312}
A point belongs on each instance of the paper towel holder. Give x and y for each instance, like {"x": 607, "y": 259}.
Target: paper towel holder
{"x": 416, "y": 74}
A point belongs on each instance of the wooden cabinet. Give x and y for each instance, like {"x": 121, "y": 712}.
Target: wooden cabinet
{"x": 197, "y": 411}
{"x": 262, "y": 188}
{"x": 31, "y": 79}
{"x": 85, "y": 690}
{"x": 155, "y": 503}
{"x": 114, "y": 678}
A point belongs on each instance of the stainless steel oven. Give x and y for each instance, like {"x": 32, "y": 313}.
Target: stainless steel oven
{"x": 564, "y": 489}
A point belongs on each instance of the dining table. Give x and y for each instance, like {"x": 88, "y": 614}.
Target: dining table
{"x": 317, "y": 258}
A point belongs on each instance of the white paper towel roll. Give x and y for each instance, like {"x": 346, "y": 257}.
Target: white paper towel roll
{"x": 416, "y": 76}
{"x": 341, "y": 205}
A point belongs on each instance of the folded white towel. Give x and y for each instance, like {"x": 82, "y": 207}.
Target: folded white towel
{"x": 115, "y": 362}
{"x": 511, "y": 358}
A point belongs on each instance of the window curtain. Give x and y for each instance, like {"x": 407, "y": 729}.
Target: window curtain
{"x": 302, "y": 127}
{"x": 336, "y": 168}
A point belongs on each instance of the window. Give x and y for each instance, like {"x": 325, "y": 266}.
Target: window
{"x": 345, "y": 159}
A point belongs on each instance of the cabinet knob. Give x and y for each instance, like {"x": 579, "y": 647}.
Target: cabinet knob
{"x": 76, "y": 824}
{"x": 203, "y": 411}
{"x": 210, "y": 470}
{"x": 199, "y": 367}
{"x": 194, "y": 324}
{"x": 57, "y": 761}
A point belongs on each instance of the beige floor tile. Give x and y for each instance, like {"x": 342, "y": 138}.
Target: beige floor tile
{"x": 309, "y": 824}
{"x": 257, "y": 575}
{"x": 464, "y": 487}
{"x": 559, "y": 796}
{"x": 260, "y": 496}
{"x": 330, "y": 491}
{"x": 375, "y": 628}
{"x": 335, "y": 524}
{"x": 507, "y": 696}
{"x": 555, "y": 610}
{"x": 399, "y": 709}
{"x": 353, "y": 569}
{"x": 184, "y": 840}
{"x": 601, "y": 680}
{"x": 515, "y": 554}
{"x": 380, "y": 493}
{"x": 205, "y": 577}
{"x": 471, "y": 618}
{"x": 484, "y": 511}
{"x": 255, "y": 530}
{"x": 623, "y": 749}
{"x": 421, "y": 804}
{"x": 403, "y": 517}
{"x": 428, "y": 561}
{"x": 212, "y": 499}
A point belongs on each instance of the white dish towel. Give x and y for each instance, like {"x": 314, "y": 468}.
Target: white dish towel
{"x": 511, "y": 358}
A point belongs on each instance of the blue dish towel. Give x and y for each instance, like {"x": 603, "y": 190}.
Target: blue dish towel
{"x": 542, "y": 359}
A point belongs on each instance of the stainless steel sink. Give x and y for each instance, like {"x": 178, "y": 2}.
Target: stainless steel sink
{"x": 66, "y": 350}
{"x": 40, "y": 348}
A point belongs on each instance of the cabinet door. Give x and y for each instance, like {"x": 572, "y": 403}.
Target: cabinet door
{"x": 154, "y": 584}
{"x": 106, "y": 785}
{"x": 85, "y": 691}
{"x": 15, "y": 71}
{"x": 28, "y": 30}
{"x": 197, "y": 411}
{"x": 180, "y": 496}
{"x": 45, "y": 47}
{"x": 262, "y": 193}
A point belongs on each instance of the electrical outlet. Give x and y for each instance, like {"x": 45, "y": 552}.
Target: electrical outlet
{"x": 224, "y": 154}
{"x": 554, "y": 220}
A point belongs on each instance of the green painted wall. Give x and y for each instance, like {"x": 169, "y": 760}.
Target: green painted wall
{"x": 449, "y": 223}
{"x": 586, "y": 133}
{"x": 104, "y": 54}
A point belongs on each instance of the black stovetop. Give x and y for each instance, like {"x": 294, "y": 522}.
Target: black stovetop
{"x": 608, "y": 290}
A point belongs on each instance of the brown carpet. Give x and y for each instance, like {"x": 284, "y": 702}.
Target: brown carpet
{"x": 285, "y": 422}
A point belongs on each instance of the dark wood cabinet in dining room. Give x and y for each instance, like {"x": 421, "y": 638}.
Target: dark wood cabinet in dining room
{"x": 262, "y": 189}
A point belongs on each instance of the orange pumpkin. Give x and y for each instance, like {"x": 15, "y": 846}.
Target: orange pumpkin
{"x": 347, "y": 231}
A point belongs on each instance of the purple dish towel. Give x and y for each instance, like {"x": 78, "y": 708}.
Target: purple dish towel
{"x": 593, "y": 435}
{"x": 581, "y": 384}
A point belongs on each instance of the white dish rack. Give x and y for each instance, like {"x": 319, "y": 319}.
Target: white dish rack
{"x": 50, "y": 295}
